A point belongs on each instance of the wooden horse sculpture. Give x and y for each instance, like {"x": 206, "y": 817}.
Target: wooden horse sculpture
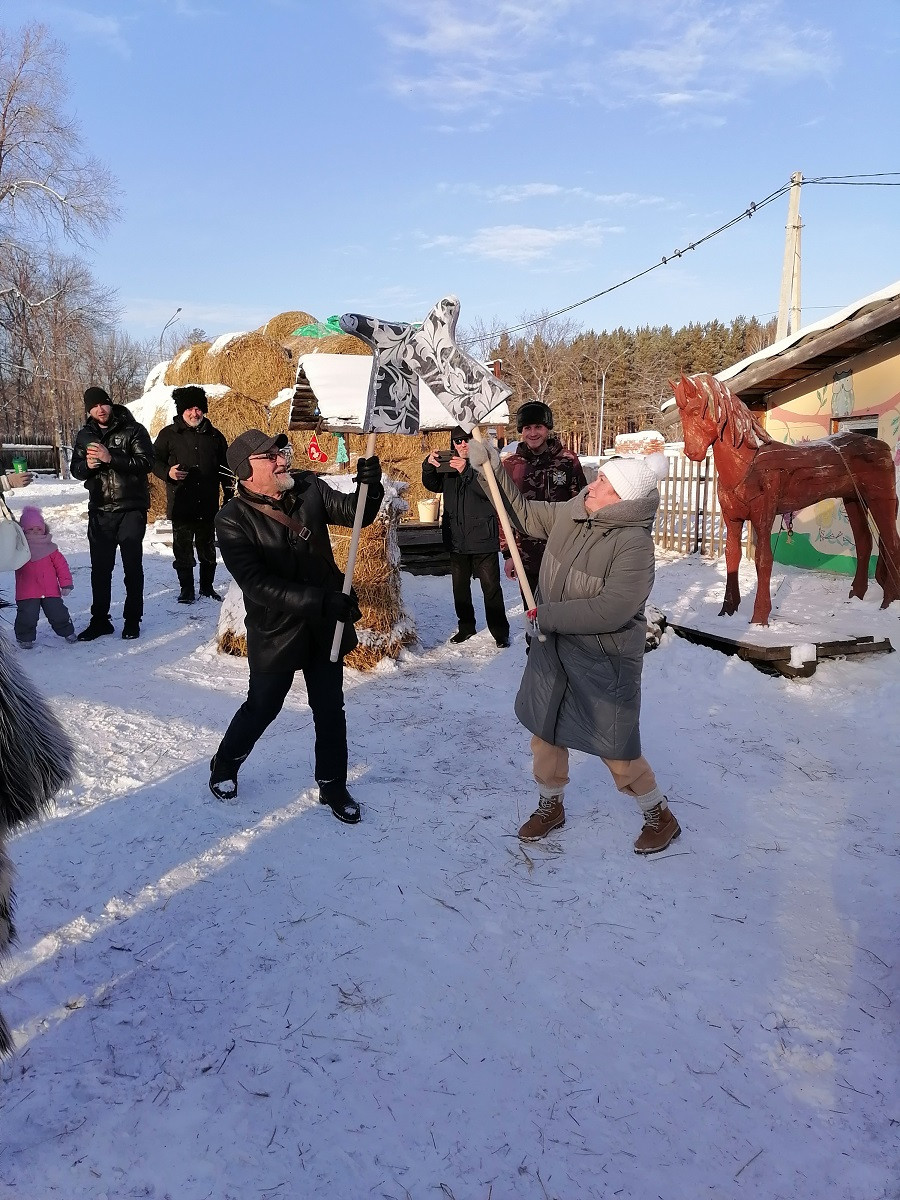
{"x": 759, "y": 478}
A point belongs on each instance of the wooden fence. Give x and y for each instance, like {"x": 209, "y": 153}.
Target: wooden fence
{"x": 689, "y": 520}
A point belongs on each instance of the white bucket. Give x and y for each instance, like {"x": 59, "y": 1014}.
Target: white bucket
{"x": 428, "y": 510}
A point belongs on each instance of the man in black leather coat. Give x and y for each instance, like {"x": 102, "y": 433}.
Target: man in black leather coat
{"x": 113, "y": 455}
{"x": 274, "y": 540}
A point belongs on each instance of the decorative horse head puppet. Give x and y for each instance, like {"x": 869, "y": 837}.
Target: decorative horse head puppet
{"x": 759, "y": 478}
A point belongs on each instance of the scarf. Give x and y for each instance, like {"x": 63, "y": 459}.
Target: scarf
{"x": 41, "y": 544}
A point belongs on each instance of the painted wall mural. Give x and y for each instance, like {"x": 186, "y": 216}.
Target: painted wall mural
{"x": 863, "y": 391}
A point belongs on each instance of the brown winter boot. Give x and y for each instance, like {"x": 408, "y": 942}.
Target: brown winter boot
{"x": 548, "y": 816}
{"x": 660, "y": 828}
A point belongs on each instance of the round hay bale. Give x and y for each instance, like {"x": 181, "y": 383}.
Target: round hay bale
{"x": 253, "y": 365}
{"x": 157, "y": 499}
{"x": 234, "y": 413}
{"x": 337, "y": 343}
{"x": 189, "y": 366}
{"x": 159, "y": 421}
{"x": 282, "y": 326}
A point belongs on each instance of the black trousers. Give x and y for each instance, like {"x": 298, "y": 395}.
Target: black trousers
{"x": 186, "y": 535}
{"x": 486, "y": 569}
{"x": 106, "y": 531}
{"x": 265, "y": 700}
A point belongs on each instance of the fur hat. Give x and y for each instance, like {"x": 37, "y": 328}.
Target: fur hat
{"x": 94, "y": 396}
{"x": 254, "y": 441}
{"x": 633, "y": 478}
{"x": 191, "y": 396}
{"x": 534, "y": 412}
{"x": 32, "y": 516}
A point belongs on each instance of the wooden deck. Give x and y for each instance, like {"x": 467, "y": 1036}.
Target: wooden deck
{"x": 774, "y": 659}
{"x": 422, "y": 550}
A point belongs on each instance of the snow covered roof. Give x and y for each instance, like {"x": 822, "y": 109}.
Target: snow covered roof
{"x": 860, "y": 326}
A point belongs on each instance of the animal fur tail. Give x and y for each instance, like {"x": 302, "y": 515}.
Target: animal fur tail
{"x": 38, "y": 759}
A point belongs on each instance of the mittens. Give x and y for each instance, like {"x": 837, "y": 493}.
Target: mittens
{"x": 368, "y": 470}
{"x": 67, "y": 591}
{"x": 338, "y": 606}
{"x": 482, "y": 452}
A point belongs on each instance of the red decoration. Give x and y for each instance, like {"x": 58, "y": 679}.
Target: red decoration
{"x": 315, "y": 452}
{"x": 759, "y": 478}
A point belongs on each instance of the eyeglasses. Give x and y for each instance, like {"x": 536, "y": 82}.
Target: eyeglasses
{"x": 273, "y": 455}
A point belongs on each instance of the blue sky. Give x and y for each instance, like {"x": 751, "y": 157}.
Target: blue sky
{"x": 357, "y": 156}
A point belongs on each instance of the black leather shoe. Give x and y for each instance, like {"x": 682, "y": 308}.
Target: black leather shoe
{"x": 98, "y": 627}
{"x": 461, "y": 635}
{"x": 211, "y": 594}
{"x": 502, "y": 643}
{"x": 130, "y": 630}
{"x": 339, "y": 800}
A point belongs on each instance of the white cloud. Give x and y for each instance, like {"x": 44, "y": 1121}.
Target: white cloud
{"x": 680, "y": 57}
{"x": 521, "y": 245}
{"x": 516, "y": 193}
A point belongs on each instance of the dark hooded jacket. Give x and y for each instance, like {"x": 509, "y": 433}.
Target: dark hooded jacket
{"x": 469, "y": 524}
{"x": 201, "y": 452}
{"x": 552, "y": 473}
{"x": 285, "y": 576}
{"x": 120, "y": 485}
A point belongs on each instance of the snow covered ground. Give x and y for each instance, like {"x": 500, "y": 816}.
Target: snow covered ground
{"x": 217, "y": 1002}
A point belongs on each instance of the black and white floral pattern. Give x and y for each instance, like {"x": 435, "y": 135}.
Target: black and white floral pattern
{"x": 393, "y": 401}
{"x": 465, "y": 387}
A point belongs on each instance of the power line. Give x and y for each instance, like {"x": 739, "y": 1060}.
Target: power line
{"x": 748, "y": 212}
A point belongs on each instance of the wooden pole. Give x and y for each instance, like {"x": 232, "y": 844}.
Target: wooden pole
{"x": 494, "y": 489}
{"x": 354, "y": 546}
{"x": 791, "y": 261}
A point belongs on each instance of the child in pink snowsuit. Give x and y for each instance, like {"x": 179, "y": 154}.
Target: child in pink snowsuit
{"x": 41, "y": 583}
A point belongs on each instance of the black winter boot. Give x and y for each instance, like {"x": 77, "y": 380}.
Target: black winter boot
{"x": 339, "y": 800}
{"x": 186, "y": 579}
{"x": 207, "y": 574}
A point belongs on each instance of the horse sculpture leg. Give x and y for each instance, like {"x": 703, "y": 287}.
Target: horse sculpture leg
{"x": 732, "y": 597}
{"x": 762, "y": 528}
{"x": 856, "y": 515}
{"x": 887, "y": 569}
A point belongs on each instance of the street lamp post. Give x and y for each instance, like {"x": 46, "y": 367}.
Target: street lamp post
{"x": 611, "y": 363}
{"x": 166, "y": 326}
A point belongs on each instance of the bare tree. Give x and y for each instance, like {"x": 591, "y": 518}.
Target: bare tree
{"x": 47, "y": 183}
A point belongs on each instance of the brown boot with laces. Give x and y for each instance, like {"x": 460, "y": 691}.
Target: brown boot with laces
{"x": 548, "y": 815}
{"x": 660, "y": 829}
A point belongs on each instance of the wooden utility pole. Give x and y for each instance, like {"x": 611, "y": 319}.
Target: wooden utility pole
{"x": 789, "y": 300}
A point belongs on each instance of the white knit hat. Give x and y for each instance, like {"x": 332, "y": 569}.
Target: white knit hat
{"x": 633, "y": 478}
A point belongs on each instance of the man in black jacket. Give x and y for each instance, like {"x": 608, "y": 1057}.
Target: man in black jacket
{"x": 274, "y": 540}
{"x": 190, "y": 455}
{"x": 113, "y": 455}
{"x": 471, "y": 534}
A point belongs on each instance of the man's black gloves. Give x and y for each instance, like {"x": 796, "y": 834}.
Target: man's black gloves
{"x": 339, "y": 607}
{"x": 368, "y": 470}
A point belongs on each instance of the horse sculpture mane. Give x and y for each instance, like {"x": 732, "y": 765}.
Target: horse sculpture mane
{"x": 757, "y": 478}
{"x": 729, "y": 414}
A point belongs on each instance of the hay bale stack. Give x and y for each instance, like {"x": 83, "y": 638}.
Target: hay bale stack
{"x": 188, "y": 366}
{"x": 234, "y": 413}
{"x": 159, "y": 420}
{"x": 385, "y": 628}
{"x": 254, "y": 365}
{"x": 281, "y": 327}
{"x": 338, "y": 343}
{"x": 401, "y": 456}
{"x": 157, "y": 499}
